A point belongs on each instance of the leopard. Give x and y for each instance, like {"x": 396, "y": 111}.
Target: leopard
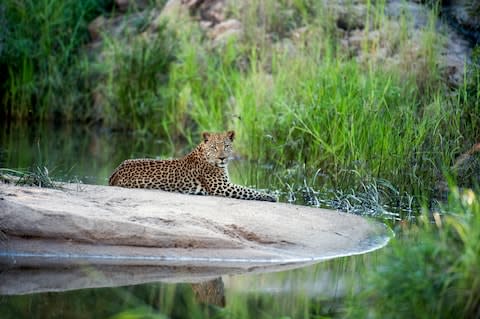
{"x": 203, "y": 171}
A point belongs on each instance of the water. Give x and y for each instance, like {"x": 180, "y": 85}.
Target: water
{"x": 103, "y": 291}
{"x": 73, "y": 153}
{"x": 90, "y": 155}
{"x": 317, "y": 289}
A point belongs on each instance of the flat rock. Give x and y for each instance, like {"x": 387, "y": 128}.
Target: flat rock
{"x": 113, "y": 225}
{"x": 50, "y": 238}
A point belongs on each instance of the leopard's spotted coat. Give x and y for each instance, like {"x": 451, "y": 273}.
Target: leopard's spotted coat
{"x": 203, "y": 171}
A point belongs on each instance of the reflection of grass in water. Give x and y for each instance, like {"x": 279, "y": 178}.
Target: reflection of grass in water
{"x": 316, "y": 291}
{"x": 300, "y": 295}
{"x": 73, "y": 152}
{"x": 37, "y": 175}
{"x": 155, "y": 300}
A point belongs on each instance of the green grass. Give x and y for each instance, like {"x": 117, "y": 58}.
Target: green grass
{"x": 298, "y": 103}
{"x": 37, "y": 176}
{"x": 131, "y": 77}
{"x": 41, "y": 50}
{"x": 338, "y": 116}
{"x": 431, "y": 269}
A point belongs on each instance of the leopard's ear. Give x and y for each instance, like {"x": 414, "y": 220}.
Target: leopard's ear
{"x": 206, "y": 136}
{"x": 231, "y": 135}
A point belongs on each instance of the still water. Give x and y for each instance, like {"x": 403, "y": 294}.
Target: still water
{"x": 89, "y": 156}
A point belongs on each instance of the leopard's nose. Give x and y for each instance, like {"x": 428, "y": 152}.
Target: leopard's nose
{"x": 222, "y": 158}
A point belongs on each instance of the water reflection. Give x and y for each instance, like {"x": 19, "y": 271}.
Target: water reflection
{"x": 182, "y": 292}
{"x": 72, "y": 152}
{"x": 210, "y": 292}
{"x": 22, "y": 280}
{"x": 89, "y": 155}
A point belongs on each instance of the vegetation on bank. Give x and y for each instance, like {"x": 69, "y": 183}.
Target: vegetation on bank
{"x": 41, "y": 60}
{"x": 431, "y": 270}
{"x": 37, "y": 177}
{"x": 303, "y": 101}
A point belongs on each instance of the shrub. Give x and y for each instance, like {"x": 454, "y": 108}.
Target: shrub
{"x": 431, "y": 270}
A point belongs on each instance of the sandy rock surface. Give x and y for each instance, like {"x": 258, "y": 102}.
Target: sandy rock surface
{"x": 156, "y": 223}
{"x": 122, "y": 229}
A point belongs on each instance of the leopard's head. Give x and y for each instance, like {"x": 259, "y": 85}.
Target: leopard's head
{"x": 218, "y": 147}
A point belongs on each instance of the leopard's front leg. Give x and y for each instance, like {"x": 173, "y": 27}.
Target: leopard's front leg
{"x": 240, "y": 192}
